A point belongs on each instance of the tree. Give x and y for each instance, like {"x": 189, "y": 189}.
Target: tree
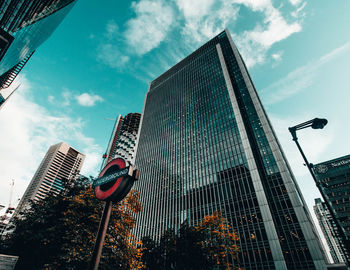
{"x": 210, "y": 245}
{"x": 59, "y": 232}
{"x": 191, "y": 253}
{"x": 219, "y": 241}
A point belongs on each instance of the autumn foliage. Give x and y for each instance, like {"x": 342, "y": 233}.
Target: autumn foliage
{"x": 210, "y": 245}
{"x": 59, "y": 233}
{"x": 220, "y": 240}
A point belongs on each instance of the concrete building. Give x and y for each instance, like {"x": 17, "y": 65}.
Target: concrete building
{"x": 123, "y": 138}
{"x": 60, "y": 162}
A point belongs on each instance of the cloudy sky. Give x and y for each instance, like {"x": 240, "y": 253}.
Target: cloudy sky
{"x": 99, "y": 61}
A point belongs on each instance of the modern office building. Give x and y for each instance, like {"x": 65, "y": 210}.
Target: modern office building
{"x": 123, "y": 138}
{"x": 24, "y": 26}
{"x": 329, "y": 230}
{"x": 206, "y": 144}
{"x": 334, "y": 179}
{"x": 61, "y": 162}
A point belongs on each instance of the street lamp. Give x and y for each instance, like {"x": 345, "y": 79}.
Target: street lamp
{"x": 319, "y": 123}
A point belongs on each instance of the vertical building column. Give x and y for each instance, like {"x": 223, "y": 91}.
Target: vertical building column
{"x": 294, "y": 193}
{"x": 112, "y": 141}
{"x": 144, "y": 186}
{"x": 271, "y": 233}
{"x": 140, "y": 126}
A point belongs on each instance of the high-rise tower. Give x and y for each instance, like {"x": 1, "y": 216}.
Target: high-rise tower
{"x": 333, "y": 177}
{"x": 24, "y": 26}
{"x": 123, "y": 138}
{"x": 329, "y": 230}
{"x": 61, "y": 162}
{"x": 206, "y": 144}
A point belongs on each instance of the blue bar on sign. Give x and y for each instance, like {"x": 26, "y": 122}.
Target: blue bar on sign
{"x": 111, "y": 177}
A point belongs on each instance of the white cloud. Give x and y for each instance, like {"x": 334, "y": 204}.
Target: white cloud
{"x": 51, "y": 99}
{"x": 109, "y": 50}
{"x": 204, "y": 19}
{"x": 195, "y": 8}
{"x": 156, "y": 21}
{"x": 299, "y": 11}
{"x": 277, "y": 30}
{"x": 254, "y": 44}
{"x": 112, "y": 29}
{"x": 62, "y": 101}
{"x": 27, "y": 132}
{"x": 295, "y": 2}
{"x": 111, "y": 55}
{"x": 277, "y": 56}
{"x": 66, "y": 94}
{"x": 88, "y": 100}
{"x": 150, "y": 27}
{"x": 299, "y": 79}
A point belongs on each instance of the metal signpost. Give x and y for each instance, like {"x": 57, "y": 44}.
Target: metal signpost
{"x": 112, "y": 185}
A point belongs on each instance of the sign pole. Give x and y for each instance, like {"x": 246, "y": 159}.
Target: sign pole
{"x": 112, "y": 185}
{"x": 96, "y": 255}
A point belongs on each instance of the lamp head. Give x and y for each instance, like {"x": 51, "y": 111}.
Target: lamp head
{"x": 319, "y": 123}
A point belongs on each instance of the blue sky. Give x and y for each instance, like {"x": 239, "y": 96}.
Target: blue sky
{"x": 99, "y": 61}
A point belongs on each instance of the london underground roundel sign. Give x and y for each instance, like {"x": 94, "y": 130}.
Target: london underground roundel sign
{"x": 115, "y": 181}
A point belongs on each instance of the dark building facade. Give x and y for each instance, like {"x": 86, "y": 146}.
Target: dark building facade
{"x": 206, "y": 144}
{"x": 24, "y": 26}
{"x": 123, "y": 138}
{"x": 334, "y": 179}
{"x": 329, "y": 230}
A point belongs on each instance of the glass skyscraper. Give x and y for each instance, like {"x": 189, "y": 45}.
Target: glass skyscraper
{"x": 206, "y": 144}
{"x": 334, "y": 179}
{"x": 329, "y": 230}
{"x": 24, "y": 26}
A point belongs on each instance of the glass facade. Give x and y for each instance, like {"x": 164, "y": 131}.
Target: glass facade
{"x": 24, "y": 26}
{"x": 329, "y": 230}
{"x": 334, "y": 179}
{"x": 206, "y": 144}
{"x": 29, "y": 37}
{"x": 5, "y": 41}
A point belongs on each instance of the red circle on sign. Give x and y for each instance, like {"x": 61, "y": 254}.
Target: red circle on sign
{"x": 103, "y": 195}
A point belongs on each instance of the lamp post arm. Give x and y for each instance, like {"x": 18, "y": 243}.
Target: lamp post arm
{"x": 306, "y": 161}
{"x": 304, "y": 125}
{"x": 293, "y": 130}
